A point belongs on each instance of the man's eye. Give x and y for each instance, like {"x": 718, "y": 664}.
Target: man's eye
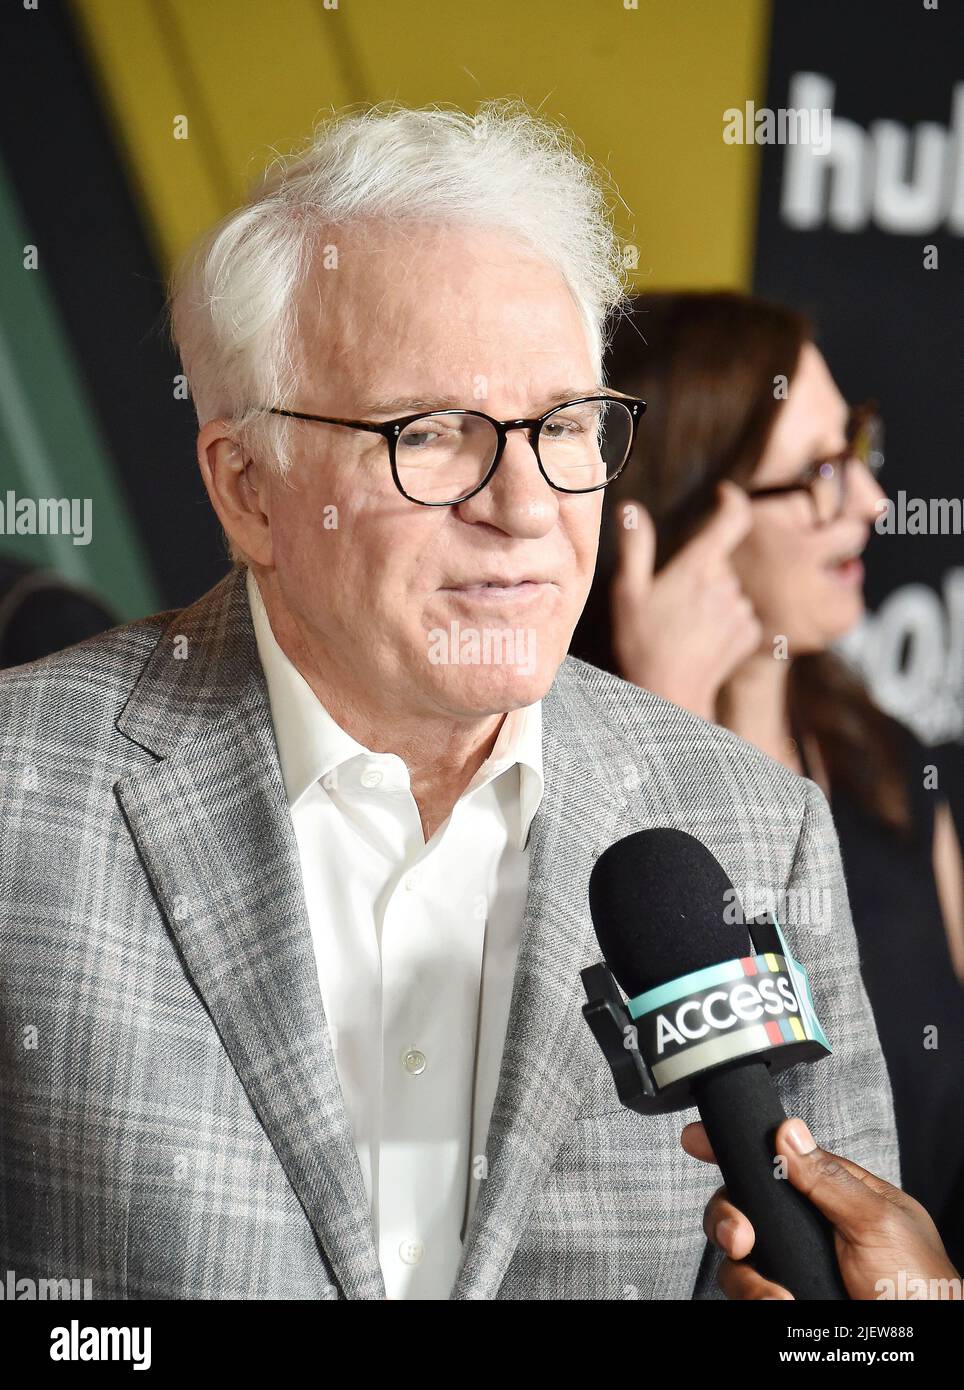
{"x": 560, "y": 429}
{"x": 574, "y": 424}
{"x": 428, "y": 433}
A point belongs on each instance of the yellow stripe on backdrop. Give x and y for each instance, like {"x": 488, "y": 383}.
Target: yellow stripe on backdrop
{"x": 644, "y": 88}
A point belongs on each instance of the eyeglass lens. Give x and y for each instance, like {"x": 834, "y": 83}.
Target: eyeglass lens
{"x": 865, "y": 445}
{"x": 443, "y": 458}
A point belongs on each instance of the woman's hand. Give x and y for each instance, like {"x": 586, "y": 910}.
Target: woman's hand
{"x": 878, "y": 1230}
{"x": 681, "y": 633}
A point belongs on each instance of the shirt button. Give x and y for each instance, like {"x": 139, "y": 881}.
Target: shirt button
{"x": 411, "y": 880}
{"x": 414, "y": 1061}
{"x": 410, "y": 1252}
{"x": 371, "y": 777}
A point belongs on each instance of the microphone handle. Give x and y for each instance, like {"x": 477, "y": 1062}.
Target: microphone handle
{"x": 793, "y": 1245}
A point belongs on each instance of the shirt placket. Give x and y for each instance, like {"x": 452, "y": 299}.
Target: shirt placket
{"x": 432, "y": 938}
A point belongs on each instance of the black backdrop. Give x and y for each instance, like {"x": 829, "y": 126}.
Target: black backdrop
{"x": 889, "y": 328}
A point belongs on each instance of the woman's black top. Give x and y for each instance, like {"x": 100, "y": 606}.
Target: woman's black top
{"x": 917, "y": 1001}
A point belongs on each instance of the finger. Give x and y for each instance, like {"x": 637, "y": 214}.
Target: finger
{"x": 726, "y": 1226}
{"x": 695, "y": 1141}
{"x": 741, "y": 1281}
{"x": 726, "y": 527}
{"x": 636, "y": 538}
{"x": 847, "y": 1194}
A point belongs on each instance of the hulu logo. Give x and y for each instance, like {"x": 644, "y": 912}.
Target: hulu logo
{"x": 900, "y": 180}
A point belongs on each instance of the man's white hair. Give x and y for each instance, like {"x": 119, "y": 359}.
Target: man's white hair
{"x": 233, "y": 297}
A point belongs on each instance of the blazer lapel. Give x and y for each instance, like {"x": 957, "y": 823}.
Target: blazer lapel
{"x": 212, "y": 826}
{"x": 549, "y": 1049}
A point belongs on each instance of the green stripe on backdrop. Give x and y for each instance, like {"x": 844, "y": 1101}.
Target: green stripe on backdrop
{"x": 50, "y": 443}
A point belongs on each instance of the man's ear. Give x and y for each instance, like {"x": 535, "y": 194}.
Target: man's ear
{"x": 235, "y": 486}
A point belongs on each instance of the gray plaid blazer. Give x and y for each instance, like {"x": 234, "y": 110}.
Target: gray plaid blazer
{"x": 171, "y": 1121}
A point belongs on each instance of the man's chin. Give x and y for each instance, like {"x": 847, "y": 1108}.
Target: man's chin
{"x": 485, "y": 690}
{"x": 492, "y": 669}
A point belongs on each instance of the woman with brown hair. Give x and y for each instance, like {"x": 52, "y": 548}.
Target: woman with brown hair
{"x": 729, "y": 564}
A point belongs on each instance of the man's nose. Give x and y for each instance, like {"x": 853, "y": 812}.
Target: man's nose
{"x": 517, "y": 499}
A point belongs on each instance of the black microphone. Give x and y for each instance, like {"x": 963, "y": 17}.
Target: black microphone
{"x": 663, "y": 909}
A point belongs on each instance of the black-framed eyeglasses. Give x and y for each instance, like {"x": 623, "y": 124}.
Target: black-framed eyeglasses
{"x": 826, "y": 480}
{"x": 441, "y": 457}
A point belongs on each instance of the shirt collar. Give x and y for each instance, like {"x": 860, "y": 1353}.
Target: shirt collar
{"x": 519, "y": 742}
{"x": 311, "y": 744}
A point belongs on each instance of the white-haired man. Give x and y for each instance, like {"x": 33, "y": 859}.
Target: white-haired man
{"x": 294, "y": 880}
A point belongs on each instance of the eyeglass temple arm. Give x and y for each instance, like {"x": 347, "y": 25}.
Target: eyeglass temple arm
{"x": 369, "y": 425}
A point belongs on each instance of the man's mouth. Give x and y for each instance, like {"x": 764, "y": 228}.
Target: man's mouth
{"x": 502, "y": 589}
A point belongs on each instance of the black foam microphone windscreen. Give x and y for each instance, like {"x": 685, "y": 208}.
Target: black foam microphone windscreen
{"x": 659, "y": 905}
{"x": 662, "y": 907}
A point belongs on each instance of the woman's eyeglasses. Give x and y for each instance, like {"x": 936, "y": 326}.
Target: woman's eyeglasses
{"x": 826, "y": 480}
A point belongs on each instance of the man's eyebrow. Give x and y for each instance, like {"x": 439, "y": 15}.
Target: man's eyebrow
{"x": 408, "y": 405}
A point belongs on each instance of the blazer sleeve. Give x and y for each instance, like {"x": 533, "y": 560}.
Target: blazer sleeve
{"x": 845, "y": 1098}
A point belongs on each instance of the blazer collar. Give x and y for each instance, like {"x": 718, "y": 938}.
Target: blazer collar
{"x": 204, "y": 668}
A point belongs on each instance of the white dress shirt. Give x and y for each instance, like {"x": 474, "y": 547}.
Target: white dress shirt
{"x": 416, "y": 945}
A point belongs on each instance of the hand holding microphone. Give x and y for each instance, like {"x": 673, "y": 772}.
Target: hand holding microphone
{"x": 886, "y": 1243}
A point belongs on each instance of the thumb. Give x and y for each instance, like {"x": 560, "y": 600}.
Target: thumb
{"x": 636, "y": 538}
{"x": 847, "y": 1194}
